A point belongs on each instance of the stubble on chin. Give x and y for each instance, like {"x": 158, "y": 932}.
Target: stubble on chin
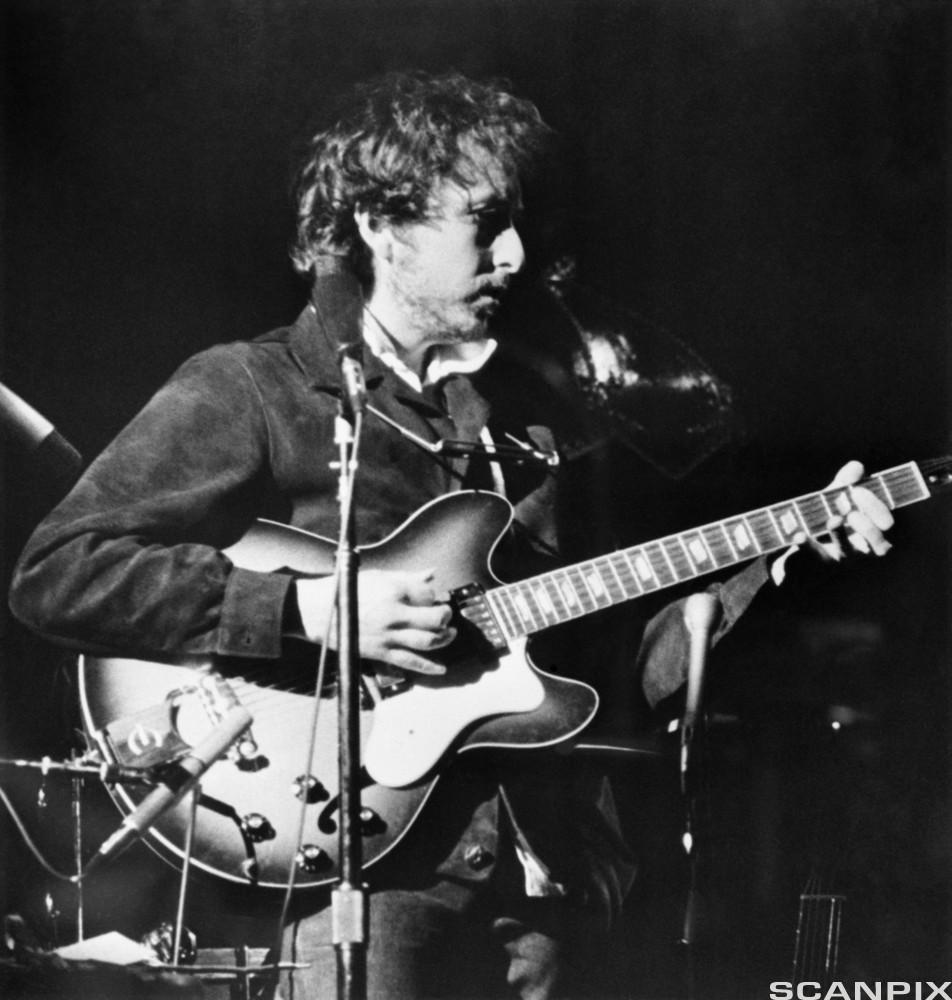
{"x": 435, "y": 320}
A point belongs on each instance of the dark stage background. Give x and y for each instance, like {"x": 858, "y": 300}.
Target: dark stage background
{"x": 765, "y": 181}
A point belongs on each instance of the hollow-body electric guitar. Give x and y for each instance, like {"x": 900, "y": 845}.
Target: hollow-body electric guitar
{"x": 146, "y": 715}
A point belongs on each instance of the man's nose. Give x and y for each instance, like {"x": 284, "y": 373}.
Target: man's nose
{"x": 508, "y": 252}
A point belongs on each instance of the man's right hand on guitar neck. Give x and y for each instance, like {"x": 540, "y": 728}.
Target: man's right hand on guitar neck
{"x": 400, "y": 618}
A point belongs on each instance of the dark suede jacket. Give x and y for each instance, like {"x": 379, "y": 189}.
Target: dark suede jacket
{"x": 131, "y": 561}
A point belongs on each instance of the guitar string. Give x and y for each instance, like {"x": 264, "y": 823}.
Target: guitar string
{"x": 675, "y": 566}
{"x": 812, "y": 509}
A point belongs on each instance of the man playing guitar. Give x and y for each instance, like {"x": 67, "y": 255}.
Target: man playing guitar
{"x": 408, "y": 209}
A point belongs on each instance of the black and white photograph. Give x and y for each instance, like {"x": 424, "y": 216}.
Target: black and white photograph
{"x": 475, "y": 500}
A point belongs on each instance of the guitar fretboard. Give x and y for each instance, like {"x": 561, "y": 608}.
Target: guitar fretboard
{"x": 573, "y": 591}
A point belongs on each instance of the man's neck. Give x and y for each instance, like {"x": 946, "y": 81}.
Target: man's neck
{"x": 409, "y": 345}
{"x": 437, "y": 360}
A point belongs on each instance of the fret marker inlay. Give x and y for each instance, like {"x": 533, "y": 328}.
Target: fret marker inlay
{"x": 523, "y": 608}
{"x": 595, "y": 584}
{"x": 568, "y": 592}
{"x": 544, "y": 602}
{"x": 697, "y": 550}
{"x": 644, "y": 570}
{"x": 789, "y": 523}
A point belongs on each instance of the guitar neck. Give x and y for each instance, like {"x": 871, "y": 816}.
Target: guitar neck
{"x": 560, "y": 595}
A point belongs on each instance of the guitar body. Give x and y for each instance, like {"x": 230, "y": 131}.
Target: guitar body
{"x": 247, "y": 821}
{"x": 144, "y": 715}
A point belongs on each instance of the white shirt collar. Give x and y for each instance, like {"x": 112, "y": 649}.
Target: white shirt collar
{"x": 445, "y": 359}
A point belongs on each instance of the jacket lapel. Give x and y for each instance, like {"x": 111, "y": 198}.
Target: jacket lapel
{"x": 452, "y": 410}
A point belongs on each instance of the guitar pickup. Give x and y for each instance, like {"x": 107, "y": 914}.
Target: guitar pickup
{"x": 470, "y": 603}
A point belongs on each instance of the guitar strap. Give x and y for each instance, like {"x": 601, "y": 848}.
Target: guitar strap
{"x": 469, "y": 411}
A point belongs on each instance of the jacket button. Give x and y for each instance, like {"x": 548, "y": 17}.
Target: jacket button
{"x": 477, "y": 857}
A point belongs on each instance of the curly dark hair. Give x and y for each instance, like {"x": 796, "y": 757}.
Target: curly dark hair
{"x": 392, "y": 142}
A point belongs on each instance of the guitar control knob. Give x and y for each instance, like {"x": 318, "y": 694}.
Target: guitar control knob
{"x": 308, "y": 789}
{"x": 256, "y": 828}
{"x": 370, "y": 822}
{"x": 246, "y": 747}
{"x": 313, "y": 859}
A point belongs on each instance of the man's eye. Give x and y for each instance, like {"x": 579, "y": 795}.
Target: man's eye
{"x": 490, "y": 222}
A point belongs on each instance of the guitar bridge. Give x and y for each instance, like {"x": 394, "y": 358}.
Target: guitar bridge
{"x": 152, "y": 738}
{"x": 469, "y": 602}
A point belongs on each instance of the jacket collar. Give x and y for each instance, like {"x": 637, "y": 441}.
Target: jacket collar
{"x": 334, "y": 317}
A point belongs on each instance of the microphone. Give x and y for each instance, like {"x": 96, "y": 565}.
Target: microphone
{"x": 354, "y": 388}
{"x": 33, "y": 432}
{"x": 701, "y": 612}
{"x": 176, "y": 781}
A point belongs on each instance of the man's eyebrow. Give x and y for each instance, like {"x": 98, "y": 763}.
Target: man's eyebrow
{"x": 491, "y": 203}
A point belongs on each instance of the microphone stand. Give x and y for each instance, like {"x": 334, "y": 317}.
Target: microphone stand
{"x": 700, "y": 615}
{"x": 348, "y": 899}
{"x": 103, "y": 771}
{"x": 196, "y": 794}
{"x": 76, "y": 786}
{"x": 78, "y": 770}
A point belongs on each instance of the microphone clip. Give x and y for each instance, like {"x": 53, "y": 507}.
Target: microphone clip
{"x": 516, "y": 452}
{"x": 353, "y": 395}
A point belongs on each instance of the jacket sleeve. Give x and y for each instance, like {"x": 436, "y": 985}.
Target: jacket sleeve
{"x": 131, "y": 560}
{"x": 665, "y": 648}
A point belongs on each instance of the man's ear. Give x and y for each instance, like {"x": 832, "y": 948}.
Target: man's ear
{"x": 376, "y": 234}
